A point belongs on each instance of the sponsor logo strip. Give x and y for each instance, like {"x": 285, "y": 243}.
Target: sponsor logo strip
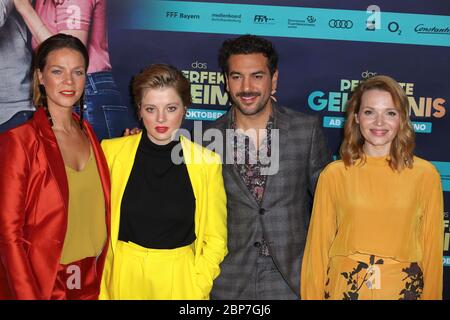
{"x": 283, "y": 21}
{"x": 444, "y": 171}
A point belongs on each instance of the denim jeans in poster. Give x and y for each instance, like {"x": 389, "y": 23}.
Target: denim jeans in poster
{"x": 19, "y": 118}
{"x": 104, "y": 109}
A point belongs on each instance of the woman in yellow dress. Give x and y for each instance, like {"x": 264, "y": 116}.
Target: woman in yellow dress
{"x": 376, "y": 230}
{"x": 168, "y": 203}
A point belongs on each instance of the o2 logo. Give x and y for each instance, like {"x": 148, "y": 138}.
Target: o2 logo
{"x": 199, "y": 65}
{"x": 393, "y": 26}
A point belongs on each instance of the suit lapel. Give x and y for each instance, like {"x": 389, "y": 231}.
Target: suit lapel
{"x": 121, "y": 170}
{"x": 281, "y": 123}
{"x": 195, "y": 176}
{"x": 234, "y": 173}
{"x": 231, "y": 168}
{"x": 54, "y": 158}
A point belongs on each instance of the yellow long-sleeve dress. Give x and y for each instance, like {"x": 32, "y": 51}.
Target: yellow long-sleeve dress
{"x": 375, "y": 233}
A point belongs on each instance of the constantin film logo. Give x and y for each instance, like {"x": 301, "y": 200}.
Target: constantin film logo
{"x": 424, "y": 29}
{"x": 263, "y": 19}
{"x": 310, "y": 21}
{"x": 340, "y": 24}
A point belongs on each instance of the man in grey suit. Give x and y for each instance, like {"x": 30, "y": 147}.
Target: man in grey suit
{"x": 269, "y": 200}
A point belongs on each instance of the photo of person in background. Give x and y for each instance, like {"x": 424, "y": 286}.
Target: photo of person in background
{"x": 376, "y": 230}
{"x": 86, "y": 20}
{"x": 54, "y": 187}
{"x": 15, "y": 62}
{"x": 169, "y": 231}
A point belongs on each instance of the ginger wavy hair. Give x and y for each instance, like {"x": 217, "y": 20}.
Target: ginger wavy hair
{"x": 402, "y": 147}
{"x": 160, "y": 75}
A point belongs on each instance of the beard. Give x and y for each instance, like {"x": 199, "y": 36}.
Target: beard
{"x": 246, "y": 110}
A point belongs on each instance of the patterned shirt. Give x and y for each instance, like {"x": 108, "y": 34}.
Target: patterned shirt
{"x": 249, "y": 161}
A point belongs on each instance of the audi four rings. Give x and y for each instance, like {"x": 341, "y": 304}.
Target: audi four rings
{"x": 340, "y": 24}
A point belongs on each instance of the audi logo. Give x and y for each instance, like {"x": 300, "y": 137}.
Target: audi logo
{"x": 340, "y": 24}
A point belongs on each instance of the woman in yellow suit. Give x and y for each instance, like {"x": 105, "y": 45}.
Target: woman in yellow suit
{"x": 168, "y": 204}
{"x": 376, "y": 230}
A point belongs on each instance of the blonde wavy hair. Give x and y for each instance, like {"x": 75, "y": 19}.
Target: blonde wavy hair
{"x": 402, "y": 147}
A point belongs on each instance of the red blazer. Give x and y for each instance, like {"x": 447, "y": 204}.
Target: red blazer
{"x": 33, "y": 208}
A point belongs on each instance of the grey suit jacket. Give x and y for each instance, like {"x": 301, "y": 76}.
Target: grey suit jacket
{"x": 284, "y": 214}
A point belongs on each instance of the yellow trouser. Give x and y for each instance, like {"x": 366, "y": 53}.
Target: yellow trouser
{"x": 160, "y": 274}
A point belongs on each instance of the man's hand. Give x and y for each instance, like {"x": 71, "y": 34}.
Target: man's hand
{"x": 131, "y": 132}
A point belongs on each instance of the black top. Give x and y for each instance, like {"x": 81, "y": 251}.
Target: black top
{"x": 158, "y": 205}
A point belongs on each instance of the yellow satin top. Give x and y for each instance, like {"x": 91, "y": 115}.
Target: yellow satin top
{"x": 371, "y": 209}
{"x": 86, "y": 225}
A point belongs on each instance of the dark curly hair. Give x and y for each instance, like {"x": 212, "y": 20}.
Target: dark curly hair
{"x": 248, "y": 44}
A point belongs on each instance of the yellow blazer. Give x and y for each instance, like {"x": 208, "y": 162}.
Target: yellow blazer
{"x": 205, "y": 172}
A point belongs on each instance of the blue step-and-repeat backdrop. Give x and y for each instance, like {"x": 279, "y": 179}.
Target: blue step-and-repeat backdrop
{"x": 326, "y": 47}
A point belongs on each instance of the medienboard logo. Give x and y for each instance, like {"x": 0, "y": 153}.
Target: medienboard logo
{"x": 423, "y": 29}
{"x": 226, "y": 17}
{"x": 263, "y": 19}
{"x": 310, "y": 21}
{"x": 340, "y": 24}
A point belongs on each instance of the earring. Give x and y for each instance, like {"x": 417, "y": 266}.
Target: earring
{"x": 272, "y": 95}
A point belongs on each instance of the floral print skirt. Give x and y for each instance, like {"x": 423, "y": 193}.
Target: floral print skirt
{"x": 368, "y": 277}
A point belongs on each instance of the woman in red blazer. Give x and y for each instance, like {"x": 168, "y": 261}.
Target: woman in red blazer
{"x": 54, "y": 187}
